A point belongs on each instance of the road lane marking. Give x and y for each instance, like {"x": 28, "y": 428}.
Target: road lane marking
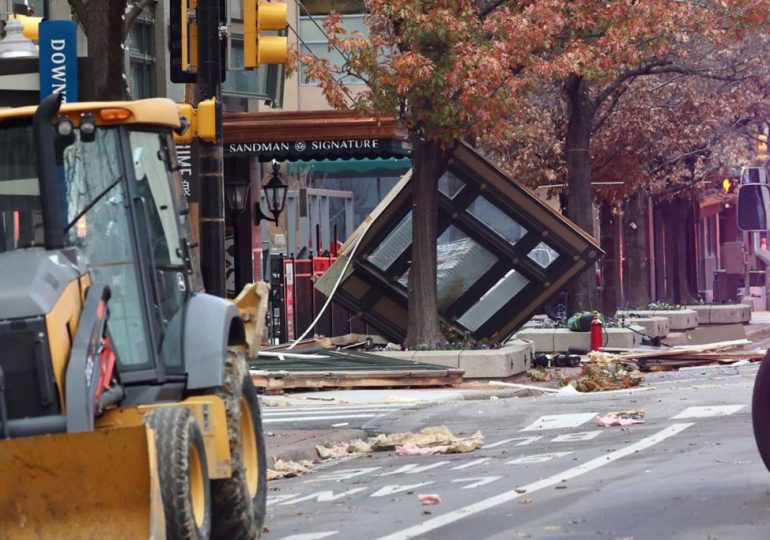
{"x": 322, "y": 496}
{"x": 392, "y": 489}
{"x": 471, "y": 463}
{"x": 275, "y": 499}
{"x": 485, "y": 504}
{"x": 477, "y": 481}
{"x": 323, "y": 410}
{"x": 537, "y": 458}
{"x": 560, "y": 421}
{"x": 577, "y": 437}
{"x": 314, "y": 418}
{"x": 310, "y": 536}
{"x": 524, "y": 441}
{"x": 413, "y": 468}
{"x": 345, "y": 474}
{"x": 706, "y": 412}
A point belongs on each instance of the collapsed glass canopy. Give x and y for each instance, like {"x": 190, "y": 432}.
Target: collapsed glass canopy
{"x": 502, "y": 253}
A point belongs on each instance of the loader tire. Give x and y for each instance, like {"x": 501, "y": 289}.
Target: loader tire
{"x": 239, "y": 501}
{"x": 760, "y": 410}
{"x": 183, "y": 473}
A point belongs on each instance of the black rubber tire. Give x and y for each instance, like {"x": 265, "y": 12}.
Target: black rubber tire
{"x": 237, "y": 515}
{"x": 177, "y": 435}
{"x": 760, "y": 410}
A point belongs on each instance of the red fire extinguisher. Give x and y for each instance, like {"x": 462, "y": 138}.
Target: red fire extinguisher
{"x": 596, "y": 334}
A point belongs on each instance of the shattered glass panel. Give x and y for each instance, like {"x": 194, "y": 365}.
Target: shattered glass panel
{"x": 450, "y": 185}
{"x": 543, "y": 255}
{"x": 397, "y": 241}
{"x": 461, "y": 262}
{"x": 497, "y": 220}
{"x": 494, "y": 299}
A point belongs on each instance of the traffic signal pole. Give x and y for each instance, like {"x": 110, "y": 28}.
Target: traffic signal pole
{"x": 212, "y": 188}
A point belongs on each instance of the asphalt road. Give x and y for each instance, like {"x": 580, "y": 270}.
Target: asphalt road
{"x": 691, "y": 471}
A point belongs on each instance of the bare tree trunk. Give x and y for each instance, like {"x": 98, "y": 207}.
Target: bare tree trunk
{"x": 685, "y": 293}
{"x": 637, "y": 263}
{"x": 103, "y": 25}
{"x": 429, "y": 162}
{"x": 610, "y": 263}
{"x": 582, "y": 292}
{"x": 659, "y": 223}
{"x": 670, "y": 246}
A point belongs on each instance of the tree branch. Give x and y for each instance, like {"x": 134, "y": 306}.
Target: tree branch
{"x": 136, "y": 10}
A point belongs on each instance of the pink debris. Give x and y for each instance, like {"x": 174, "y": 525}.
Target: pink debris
{"x": 411, "y": 449}
{"x": 609, "y": 421}
{"x": 429, "y": 498}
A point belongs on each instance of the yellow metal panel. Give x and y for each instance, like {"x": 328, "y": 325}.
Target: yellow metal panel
{"x": 155, "y": 111}
{"x": 30, "y": 25}
{"x": 193, "y": 47}
{"x": 271, "y": 16}
{"x": 249, "y": 33}
{"x": 211, "y": 415}
{"x": 183, "y": 25}
{"x": 61, "y": 324}
{"x": 190, "y": 114}
{"x": 207, "y": 120}
{"x": 100, "y": 484}
{"x": 272, "y": 50}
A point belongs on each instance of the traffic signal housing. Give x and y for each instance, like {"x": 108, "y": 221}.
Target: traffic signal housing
{"x": 729, "y": 185}
{"x": 259, "y": 49}
{"x": 198, "y": 123}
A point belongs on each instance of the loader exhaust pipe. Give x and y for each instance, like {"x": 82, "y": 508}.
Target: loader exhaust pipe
{"x": 53, "y": 222}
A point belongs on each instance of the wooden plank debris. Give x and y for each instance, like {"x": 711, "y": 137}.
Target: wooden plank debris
{"x": 279, "y": 370}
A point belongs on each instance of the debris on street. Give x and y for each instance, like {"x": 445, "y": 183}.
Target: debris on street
{"x": 621, "y": 418}
{"x": 288, "y": 469}
{"x": 429, "y": 498}
{"x": 431, "y": 440}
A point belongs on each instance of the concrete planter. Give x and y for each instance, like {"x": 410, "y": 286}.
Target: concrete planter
{"x": 514, "y": 358}
{"x": 549, "y": 340}
{"x": 652, "y": 326}
{"x": 678, "y": 319}
{"x": 723, "y": 314}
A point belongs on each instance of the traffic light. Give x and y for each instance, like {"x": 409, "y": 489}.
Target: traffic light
{"x": 200, "y": 122}
{"x": 729, "y": 185}
{"x": 259, "y": 49}
{"x": 183, "y": 41}
{"x": 29, "y": 25}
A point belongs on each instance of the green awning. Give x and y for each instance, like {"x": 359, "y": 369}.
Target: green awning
{"x": 358, "y": 167}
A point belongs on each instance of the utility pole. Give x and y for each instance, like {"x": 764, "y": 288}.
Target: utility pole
{"x": 212, "y": 187}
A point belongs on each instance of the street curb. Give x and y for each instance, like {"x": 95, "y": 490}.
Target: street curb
{"x": 304, "y": 449}
{"x": 502, "y": 393}
{"x": 758, "y": 334}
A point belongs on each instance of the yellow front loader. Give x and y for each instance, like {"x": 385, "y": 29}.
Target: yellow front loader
{"x": 126, "y": 408}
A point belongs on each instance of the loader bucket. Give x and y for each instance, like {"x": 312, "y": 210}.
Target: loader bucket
{"x": 95, "y": 485}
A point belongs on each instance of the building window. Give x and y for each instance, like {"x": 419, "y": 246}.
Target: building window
{"x": 314, "y": 41}
{"x": 244, "y": 83}
{"x": 141, "y": 53}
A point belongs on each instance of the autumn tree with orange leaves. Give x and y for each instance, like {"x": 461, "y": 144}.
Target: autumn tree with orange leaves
{"x": 455, "y": 69}
{"x": 438, "y": 67}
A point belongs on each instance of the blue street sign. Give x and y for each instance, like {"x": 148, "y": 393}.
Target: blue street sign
{"x": 58, "y": 59}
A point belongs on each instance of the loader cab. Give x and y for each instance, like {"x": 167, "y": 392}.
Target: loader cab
{"x": 124, "y": 222}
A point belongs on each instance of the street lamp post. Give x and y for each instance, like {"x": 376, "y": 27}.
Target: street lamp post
{"x": 275, "y": 195}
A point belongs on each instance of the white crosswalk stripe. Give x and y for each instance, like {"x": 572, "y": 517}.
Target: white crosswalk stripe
{"x": 560, "y": 421}
{"x": 707, "y": 412}
{"x": 332, "y": 414}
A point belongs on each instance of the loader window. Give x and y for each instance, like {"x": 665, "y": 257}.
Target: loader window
{"x": 97, "y": 214}
{"x": 21, "y": 223}
{"x": 160, "y": 204}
